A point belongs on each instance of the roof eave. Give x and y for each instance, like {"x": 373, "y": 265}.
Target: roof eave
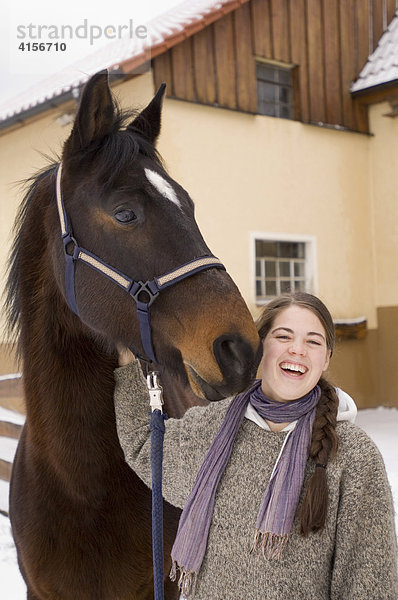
{"x": 128, "y": 66}
{"x": 20, "y": 118}
{"x": 375, "y": 90}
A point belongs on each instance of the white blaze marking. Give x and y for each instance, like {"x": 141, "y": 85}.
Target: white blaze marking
{"x": 162, "y": 186}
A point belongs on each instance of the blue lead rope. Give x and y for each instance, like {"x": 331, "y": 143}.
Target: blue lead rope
{"x": 157, "y": 428}
{"x": 157, "y": 434}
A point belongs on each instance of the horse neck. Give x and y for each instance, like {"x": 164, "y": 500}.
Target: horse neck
{"x": 66, "y": 375}
{"x": 70, "y": 416}
{"x": 68, "y": 378}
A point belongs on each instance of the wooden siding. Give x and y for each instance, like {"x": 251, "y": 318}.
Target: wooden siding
{"x": 327, "y": 40}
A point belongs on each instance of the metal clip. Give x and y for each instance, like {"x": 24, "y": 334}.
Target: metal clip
{"x": 155, "y": 391}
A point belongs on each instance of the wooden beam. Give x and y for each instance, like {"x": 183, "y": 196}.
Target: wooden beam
{"x": 162, "y": 72}
{"x": 316, "y": 61}
{"x": 347, "y": 32}
{"x": 280, "y": 30}
{"x": 261, "y": 27}
{"x": 380, "y": 93}
{"x": 298, "y": 34}
{"x": 182, "y": 70}
{"x": 377, "y": 12}
{"x": 364, "y": 44}
{"x": 351, "y": 331}
{"x": 204, "y": 66}
{"x": 333, "y": 95}
{"x": 245, "y": 62}
{"x": 361, "y": 116}
{"x": 225, "y": 62}
{"x": 5, "y": 470}
{"x": 11, "y": 430}
{"x": 391, "y": 8}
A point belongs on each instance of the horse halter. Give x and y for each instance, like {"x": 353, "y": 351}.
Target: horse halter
{"x": 151, "y": 287}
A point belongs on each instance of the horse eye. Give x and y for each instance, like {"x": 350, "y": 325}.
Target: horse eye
{"x": 125, "y": 216}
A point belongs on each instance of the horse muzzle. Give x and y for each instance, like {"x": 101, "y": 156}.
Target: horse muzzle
{"x": 237, "y": 363}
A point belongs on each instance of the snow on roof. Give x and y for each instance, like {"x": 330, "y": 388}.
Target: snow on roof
{"x": 120, "y": 56}
{"x": 382, "y": 64}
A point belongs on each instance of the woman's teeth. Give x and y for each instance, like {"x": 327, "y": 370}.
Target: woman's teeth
{"x": 294, "y": 367}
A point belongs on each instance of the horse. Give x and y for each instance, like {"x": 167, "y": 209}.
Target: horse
{"x": 80, "y": 517}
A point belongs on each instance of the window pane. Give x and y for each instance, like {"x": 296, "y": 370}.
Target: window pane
{"x": 265, "y": 72}
{"x": 287, "y": 250}
{"x": 285, "y": 76}
{"x": 299, "y": 269}
{"x": 270, "y": 268}
{"x": 285, "y": 112}
{"x": 284, "y": 95}
{"x": 300, "y": 250}
{"x": 291, "y": 250}
{"x": 265, "y": 248}
{"x": 284, "y": 269}
{"x": 299, "y": 286}
{"x": 267, "y": 109}
{"x": 258, "y": 268}
{"x": 270, "y": 288}
{"x": 267, "y": 92}
{"x": 285, "y": 286}
{"x": 259, "y": 292}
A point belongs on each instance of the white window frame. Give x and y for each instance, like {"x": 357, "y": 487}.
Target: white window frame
{"x": 311, "y": 271}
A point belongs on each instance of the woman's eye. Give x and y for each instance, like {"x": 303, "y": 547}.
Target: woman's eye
{"x": 314, "y": 342}
{"x": 282, "y": 337}
{"x": 125, "y": 216}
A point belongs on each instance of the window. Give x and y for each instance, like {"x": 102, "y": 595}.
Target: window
{"x": 282, "y": 265}
{"x": 274, "y": 90}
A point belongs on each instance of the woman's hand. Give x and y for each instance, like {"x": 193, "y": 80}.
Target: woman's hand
{"x": 125, "y": 356}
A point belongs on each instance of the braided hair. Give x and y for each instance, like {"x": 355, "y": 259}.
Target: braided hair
{"x": 324, "y": 439}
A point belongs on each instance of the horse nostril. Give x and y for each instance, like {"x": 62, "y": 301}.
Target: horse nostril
{"x": 234, "y": 355}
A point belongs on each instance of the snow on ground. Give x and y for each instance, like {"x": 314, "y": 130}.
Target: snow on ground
{"x": 381, "y": 424}
{"x": 12, "y": 586}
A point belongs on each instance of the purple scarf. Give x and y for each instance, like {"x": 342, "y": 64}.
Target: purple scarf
{"x": 281, "y": 497}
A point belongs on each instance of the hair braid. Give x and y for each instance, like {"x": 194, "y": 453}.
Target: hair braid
{"x": 323, "y": 446}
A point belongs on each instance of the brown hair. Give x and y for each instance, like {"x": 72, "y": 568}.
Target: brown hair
{"x": 324, "y": 437}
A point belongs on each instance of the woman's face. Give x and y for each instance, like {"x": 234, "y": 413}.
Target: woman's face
{"x": 294, "y": 354}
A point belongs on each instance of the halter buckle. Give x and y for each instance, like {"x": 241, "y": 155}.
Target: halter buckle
{"x": 147, "y": 287}
{"x": 69, "y": 239}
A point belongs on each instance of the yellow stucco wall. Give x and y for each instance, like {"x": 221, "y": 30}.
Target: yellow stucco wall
{"x": 384, "y": 172}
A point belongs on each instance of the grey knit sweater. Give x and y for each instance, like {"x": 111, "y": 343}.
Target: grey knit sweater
{"x": 353, "y": 558}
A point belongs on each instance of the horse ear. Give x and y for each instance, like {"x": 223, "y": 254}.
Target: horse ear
{"x": 95, "y": 116}
{"x": 148, "y": 121}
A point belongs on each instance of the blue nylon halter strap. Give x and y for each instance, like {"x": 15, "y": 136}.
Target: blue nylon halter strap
{"x": 74, "y": 253}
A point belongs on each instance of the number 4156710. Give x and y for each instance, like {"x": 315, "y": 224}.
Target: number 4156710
{"x": 42, "y": 46}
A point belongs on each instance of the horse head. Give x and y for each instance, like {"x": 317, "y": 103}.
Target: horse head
{"x": 124, "y": 208}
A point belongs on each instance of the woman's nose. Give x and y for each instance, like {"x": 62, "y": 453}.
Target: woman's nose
{"x": 297, "y": 347}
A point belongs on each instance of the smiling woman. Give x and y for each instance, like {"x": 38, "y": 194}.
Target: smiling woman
{"x": 283, "y": 496}
{"x": 295, "y": 354}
